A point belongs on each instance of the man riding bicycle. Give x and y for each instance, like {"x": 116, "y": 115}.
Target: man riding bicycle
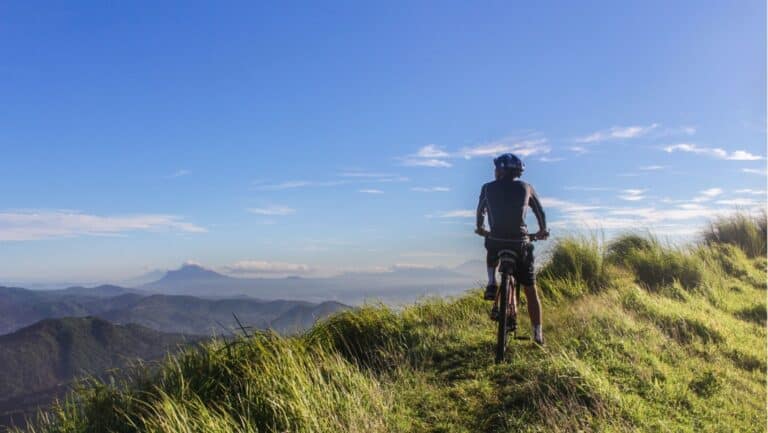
{"x": 505, "y": 202}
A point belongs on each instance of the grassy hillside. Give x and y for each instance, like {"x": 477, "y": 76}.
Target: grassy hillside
{"x": 641, "y": 337}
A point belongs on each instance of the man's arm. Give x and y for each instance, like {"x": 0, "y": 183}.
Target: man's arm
{"x": 535, "y": 205}
{"x": 481, "y": 209}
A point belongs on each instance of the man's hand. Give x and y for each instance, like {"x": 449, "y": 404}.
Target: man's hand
{"x": 542, "y": 234}
{"x": 481, "y": 231}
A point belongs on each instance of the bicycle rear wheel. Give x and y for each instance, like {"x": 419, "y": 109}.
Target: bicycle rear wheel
{"x": 501, "y": 343}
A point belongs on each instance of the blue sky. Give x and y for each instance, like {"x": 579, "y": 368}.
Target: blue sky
{"x": 271, "y": 139}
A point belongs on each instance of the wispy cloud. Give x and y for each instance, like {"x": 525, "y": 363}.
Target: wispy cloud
{"x": 435, "y": 156}
{"x": 523, "y": 148}
{"x": 632, "y": 194}
{"x": 273, "y": 210}
{"x": 371, "y": 191}
{"x": 431, "y": 189}
{"x": 715, "y": 152}
{"x": 754, "y": 171}
{"x": 578, "y": 149}
{"x": 738, "y": 202}
{"x": 588, "y": 188}
{"x": 459, "y": 213}
{"x": 35, "y": 225}
{"x": 370, "y": 176}
{"x": 707, "y": 195}
{"x": 680, "y": 217}
{"x": 568, "y": 206}
{"x": 750, "y": 191}
{"x": 295, "y": 184}
{"x": 617, "y": 133}
{"x": 432, "y": 151}
{"x": 426, "y": 162}
{"x": 652, "y": 167}
{"x": 259, "y": 267}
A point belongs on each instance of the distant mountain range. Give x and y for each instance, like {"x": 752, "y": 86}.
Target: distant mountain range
{"x": 191, "y": 315}
{"x": 167, "y": 313}
{"x": 40, "y": 362}
{"x": 55, "y": 336}
{"x": 398, "y": 285}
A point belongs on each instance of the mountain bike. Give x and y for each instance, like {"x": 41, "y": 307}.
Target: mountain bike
{"x": 507, "y": 310}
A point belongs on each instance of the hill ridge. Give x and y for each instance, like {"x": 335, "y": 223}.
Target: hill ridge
{"x": 641, "y": 337}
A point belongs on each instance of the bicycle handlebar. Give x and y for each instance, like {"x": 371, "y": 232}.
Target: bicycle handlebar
{"x": 531, "y": 237}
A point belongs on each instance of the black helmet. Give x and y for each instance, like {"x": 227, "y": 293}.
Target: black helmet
{"x": 509, "y": 161}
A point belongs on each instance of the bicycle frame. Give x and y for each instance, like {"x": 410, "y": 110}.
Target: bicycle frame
{"x": 506, "y": 299}
{"x": 507, "y": 261}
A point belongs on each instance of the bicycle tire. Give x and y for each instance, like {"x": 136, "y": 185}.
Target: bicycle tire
{"x": 501, "y": 342}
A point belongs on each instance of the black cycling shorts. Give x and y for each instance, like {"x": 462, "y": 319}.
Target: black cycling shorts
{"x": 524, "y": 272}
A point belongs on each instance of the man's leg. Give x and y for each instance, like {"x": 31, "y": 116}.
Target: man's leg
{"x": 534, "y": 311}
{"x": 492, "y": 274}
{"x": 491, "y": 262}
{"x": 490, "y": 289}
{"x": 531, "y": 294}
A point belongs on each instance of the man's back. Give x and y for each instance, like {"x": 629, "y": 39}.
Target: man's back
{"x": 506, "y": 201}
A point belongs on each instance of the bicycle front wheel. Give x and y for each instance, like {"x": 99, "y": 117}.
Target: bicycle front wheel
{"x": 501, "y": 343}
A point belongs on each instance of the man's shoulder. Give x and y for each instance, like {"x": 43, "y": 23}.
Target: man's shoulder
{"x": 489, "y": 184}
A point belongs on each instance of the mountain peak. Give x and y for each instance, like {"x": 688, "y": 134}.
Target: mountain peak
{"x": 191, "y": 270}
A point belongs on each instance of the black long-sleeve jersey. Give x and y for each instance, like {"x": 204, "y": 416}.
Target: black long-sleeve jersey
{"x": 506, "y": 201}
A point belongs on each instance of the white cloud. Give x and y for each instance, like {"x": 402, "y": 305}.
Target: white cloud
{"x": 460, "y": 213}
{"x": 371, "y": 191}
{"x": 294, "y": 184}
{"x": 435, "y": 156}
{"x": 364, "y": 176}
{"x": 750, "y": 191}
{"x": 652, "y": 167}
{"x": 259, "y": 267}
{"x": 348, "y": 177}
{"x": 410, "y": 266}
{"x": 632, "y": 194}
{"x": 715, "y": 152}
{"x": 273, "y": 210}
{"x": 588, "y": 188}
{"x": 34, "y": 225}
{"x": 431, "y": 189}
{"x": 432, "y": 151}
{"x": 617, "y": 133}
{"x": 567, "y": 206}
{"x": 754, "y": 171}
{"x": 521, "y": 148}
{"x": 416, "y": 162}
{"x": 707, "y": 194}
{"x": 738, "y": 202}
{"x": 578, "y": 149}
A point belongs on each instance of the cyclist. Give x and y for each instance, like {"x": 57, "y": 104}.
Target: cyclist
{"x": 505, "y": 202}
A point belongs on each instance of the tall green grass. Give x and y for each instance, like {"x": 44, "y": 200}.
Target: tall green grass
{"x": 747, "y": 232}
{"x": 260, "y": 383}
{"x": 575, "y": 266}
{"x": 642, "y": 336}
{"x": 653, "y": 264}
